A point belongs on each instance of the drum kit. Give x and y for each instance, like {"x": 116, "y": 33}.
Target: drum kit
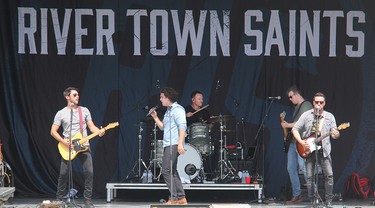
{"x": 195, "y": 163}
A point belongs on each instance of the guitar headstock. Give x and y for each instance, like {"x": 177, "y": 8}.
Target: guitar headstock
{"x": 111, "y": 125}
{"x": 282, "y": 115}
{"x": 344, "y": 126}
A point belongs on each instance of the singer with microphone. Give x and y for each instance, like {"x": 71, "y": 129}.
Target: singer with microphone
{"x": 318, "y": 122}
{"x": 295, "y": 162}
{"x": 173, "y": 126}
{"x": 74, "y": 119}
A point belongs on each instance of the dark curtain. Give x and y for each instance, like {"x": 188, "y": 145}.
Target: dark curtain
{"x": 120, "y": 87}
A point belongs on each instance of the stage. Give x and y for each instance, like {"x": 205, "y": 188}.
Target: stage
{"x": 113, "y": 187}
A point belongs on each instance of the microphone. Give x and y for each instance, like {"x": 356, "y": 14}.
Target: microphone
{"x": 217, "y": 85}
{"x": 274, "y": 98}
{"x": 317, "y": 110}
{"x": 152, "y": 110}
{"x": 157, "y": 84}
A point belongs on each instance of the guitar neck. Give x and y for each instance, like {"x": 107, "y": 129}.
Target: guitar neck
{"x": 89, "y": 137}
{"x": 285, "y": 131}
{"x": 322, "y": 137}
{"x": 109, "y": 126}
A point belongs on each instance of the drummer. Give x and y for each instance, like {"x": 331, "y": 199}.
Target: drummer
{"x": 195, "y": 112}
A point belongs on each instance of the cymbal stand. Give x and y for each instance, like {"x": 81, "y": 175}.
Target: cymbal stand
{"x": 155, "y": 162}
{"x": 223, "y": 161}
{"x": 139, "y": 162}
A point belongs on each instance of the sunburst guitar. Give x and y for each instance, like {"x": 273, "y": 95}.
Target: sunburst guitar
{"x": 77, "y": 143}
{"x": 312, "y": 141}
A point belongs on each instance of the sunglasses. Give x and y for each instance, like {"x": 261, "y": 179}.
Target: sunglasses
{"x": 319, "y": 102}
{"x": 75, "y": 94}
{"x": 290, "y": 96}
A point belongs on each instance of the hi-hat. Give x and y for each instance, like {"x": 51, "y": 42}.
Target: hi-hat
{"x": 220, "y": 118}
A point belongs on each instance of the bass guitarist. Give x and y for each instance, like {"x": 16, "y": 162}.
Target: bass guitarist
{"x": 294, "y": 161}
{"x": 81, "y": 119}
{"x": 318, "y": 122}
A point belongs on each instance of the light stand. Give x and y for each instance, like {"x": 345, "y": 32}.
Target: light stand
{"x": 139, "y": 161}
{"x": 317, "y": 197}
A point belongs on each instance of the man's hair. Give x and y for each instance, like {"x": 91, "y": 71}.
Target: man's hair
{"x": 68, "y": 90}
{"x": 170, "y": 93}
{"x": 319, "y": 94}
{"x": 195, "y": 93}
{"x": 293, "y": 89}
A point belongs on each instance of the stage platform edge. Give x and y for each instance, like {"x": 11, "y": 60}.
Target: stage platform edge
{"x": 113, "y": 187}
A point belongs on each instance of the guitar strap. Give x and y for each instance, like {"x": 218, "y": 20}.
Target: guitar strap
{"x": 297, "y": 112}
{"x": 321, "y": 122}
{"x": 80, "y": 120}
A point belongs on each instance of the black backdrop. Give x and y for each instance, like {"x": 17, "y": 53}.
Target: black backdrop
{"x": 117, "y": 83}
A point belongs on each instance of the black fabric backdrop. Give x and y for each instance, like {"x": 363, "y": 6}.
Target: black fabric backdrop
{"x": 118, "y": 87}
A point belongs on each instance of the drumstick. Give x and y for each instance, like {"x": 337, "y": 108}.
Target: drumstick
{"x": 200, "y": 109}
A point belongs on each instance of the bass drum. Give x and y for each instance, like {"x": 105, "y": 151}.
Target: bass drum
{"x": 190, "y": 163}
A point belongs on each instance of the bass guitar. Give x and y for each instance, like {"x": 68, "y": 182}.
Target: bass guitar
{"x": 312, "y": 141}
{"x": 77, "y": 143}
{"x": 287, "y": 134}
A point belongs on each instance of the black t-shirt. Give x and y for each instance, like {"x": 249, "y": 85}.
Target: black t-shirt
{"x": 202, "y": 115}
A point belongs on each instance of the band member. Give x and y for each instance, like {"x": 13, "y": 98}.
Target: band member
{"x": 317, "y": 121}
{"x": 295, "y": 162}
{"x": 192, "y": 113}
{"x": 174, "y": 127}
{"x": 70, "y": 128}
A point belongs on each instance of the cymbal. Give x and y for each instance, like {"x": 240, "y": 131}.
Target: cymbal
{"x": 220, "y": 118}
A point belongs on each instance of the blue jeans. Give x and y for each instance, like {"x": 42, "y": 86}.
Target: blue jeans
{"x": 326, "y": 164}
{"x": 295, "y": 163}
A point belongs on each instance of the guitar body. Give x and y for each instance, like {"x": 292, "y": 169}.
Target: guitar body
{"x": 77, "y": 142}
{"x": 77, "y": 148}
{"x": 305, "y": 153}
{"x": 311, "y": 141}
{"x": 287, "y": 140}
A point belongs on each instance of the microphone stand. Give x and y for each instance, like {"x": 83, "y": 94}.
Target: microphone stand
{"x": 70, "y": 171}
{"x": 317, "y": 197}
{"x": 262, "y": 144}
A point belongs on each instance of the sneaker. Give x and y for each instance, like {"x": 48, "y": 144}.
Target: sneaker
{"x": 169, "y": 202}
{"x": 181, "y": 201}
{"x": 295, "y": 199}
{"x": 89, "y": 204}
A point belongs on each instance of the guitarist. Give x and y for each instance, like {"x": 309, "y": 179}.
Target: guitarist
{"x": 318, "y": 122}
{"x": 81, "y": 120}
{"x": 295, "y": 161}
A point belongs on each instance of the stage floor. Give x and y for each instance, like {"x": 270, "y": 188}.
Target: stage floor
{"x": 126, "y": 201}
{"x": 32, "y": 202}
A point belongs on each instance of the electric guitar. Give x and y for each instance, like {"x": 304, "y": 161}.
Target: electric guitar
{"x": 312, "y": 141}
{"x": 77, "y": 143}
{"x": 287, "y": 133}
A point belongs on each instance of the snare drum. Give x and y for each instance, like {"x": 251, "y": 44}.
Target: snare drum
{"x": 199, "y": 136}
